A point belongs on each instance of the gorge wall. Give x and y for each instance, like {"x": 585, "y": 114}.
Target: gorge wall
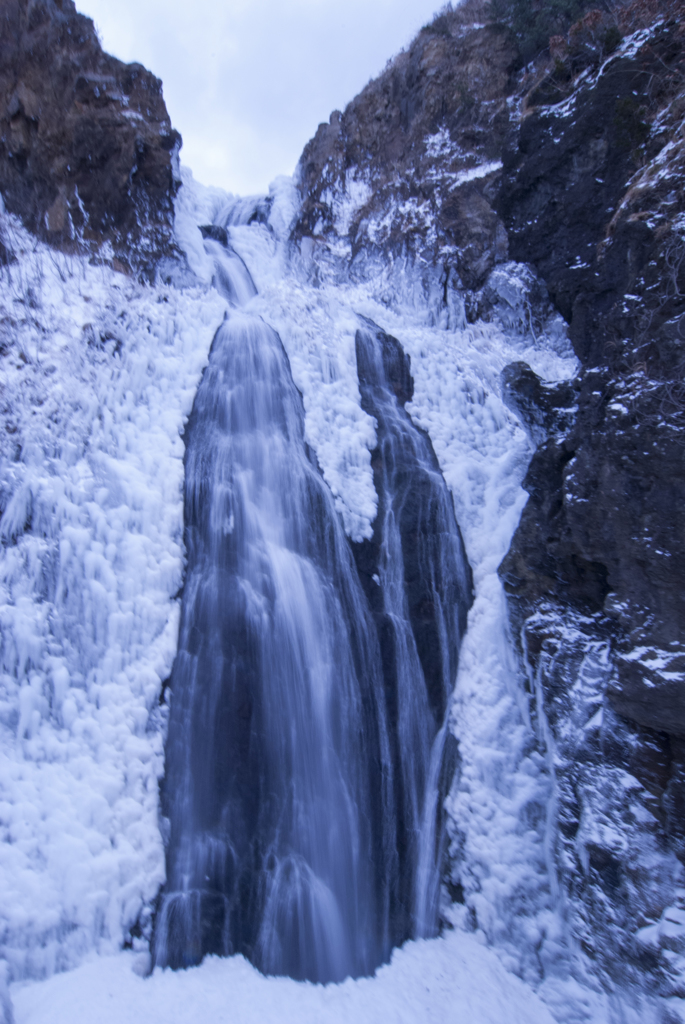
{"x": 598, "y": 561}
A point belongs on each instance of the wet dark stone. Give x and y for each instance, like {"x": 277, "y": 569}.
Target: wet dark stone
{"x": 218, "y": 234}
{"x": 544, "y": 408}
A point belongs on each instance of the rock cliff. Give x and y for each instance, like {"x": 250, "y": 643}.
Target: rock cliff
{"x": 86, "y": 146}
{"x": 592, "y": 195}
{"x": 417, "y": 155}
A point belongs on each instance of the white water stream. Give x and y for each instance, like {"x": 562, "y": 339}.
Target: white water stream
{"x": 300, "y": 767}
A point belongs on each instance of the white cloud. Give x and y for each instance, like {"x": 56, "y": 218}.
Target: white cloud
{"x": 248, "y": 81}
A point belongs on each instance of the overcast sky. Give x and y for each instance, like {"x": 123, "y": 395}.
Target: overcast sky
{"x": 246, "y": 82}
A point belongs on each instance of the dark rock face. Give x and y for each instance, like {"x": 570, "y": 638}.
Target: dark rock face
{"x": 86, "y": 145}
{"x": 592, "y": 195}
{"x": 603, "y": 527}
{"x": 213, "y": 231}
{"x": 545, "y": 408}
{"x": 590, "y": 161}
{"x": 424, "y": 139}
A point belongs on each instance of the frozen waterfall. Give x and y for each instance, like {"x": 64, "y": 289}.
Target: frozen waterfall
{"x": 309, "y": 693}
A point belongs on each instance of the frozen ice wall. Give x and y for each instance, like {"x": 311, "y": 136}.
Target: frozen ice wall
{"x": 98, "y": 377}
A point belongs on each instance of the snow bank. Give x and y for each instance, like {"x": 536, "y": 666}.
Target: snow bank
{"x": 453, "y": 979}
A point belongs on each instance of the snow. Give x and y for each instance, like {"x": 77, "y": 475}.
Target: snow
{"x": 473, "y": 173}
{"x": 346, "y": 202}
{"x": 409, "y": 215}
{"x": 440, "y": 144}
{"x": 452, "y": 979}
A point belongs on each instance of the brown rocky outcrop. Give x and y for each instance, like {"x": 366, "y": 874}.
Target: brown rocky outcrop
{"x": 416, "y": 136}
{"x": 86, "y": 145}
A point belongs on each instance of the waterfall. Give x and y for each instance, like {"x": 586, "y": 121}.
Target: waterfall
{"x": 303, "y": 754}
{"x": 420, "y": 588}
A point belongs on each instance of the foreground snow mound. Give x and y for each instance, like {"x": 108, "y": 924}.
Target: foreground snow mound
{"x": 448, "y": 979}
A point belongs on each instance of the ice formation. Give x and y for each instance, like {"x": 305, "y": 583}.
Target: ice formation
{"x": 107, "y": 370}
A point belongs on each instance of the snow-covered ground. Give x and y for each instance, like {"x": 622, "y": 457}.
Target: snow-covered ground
{"x": 453, "y": 980}
{"x": 98, "y": 379}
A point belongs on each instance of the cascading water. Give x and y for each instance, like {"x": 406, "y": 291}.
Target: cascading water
{"x": 419, "y": 585}
{"x": 278, "y": 783}
{"x": 301, "y": 784}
